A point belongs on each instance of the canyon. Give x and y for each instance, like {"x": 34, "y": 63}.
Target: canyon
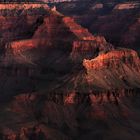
{"x": 60, "y": 81}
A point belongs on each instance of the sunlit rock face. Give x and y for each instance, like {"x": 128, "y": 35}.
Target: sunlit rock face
{"x": 115, "y": 69}
{"x": 106, "y": 60}
{"x": 81, "y": 33}
{"x": 126, "y": 6}
{"x": 89, "y": 49}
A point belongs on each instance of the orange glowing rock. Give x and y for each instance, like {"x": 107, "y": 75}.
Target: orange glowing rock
{"x": 21, "y": 45}
{"x": 114, "y": 58}
{"x": 79, "y": 31}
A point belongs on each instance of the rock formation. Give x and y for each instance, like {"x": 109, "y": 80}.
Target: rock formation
{"x": 115, "y": 69}
{"x": 126, "y": 6}
{"x": 60, "y": 82}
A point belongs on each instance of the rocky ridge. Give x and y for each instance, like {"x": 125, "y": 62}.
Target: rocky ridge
{"x": 115, "y": 69}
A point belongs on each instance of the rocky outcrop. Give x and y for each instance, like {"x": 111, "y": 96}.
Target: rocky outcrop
{"x": 87, "y": 49}
{"x": 127, "y": 6}
{"x": 115, "y": 69}
{"x": 114, "y": 59}
{"x": 87, "y": 45}
{"x": 21, "y": 45}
